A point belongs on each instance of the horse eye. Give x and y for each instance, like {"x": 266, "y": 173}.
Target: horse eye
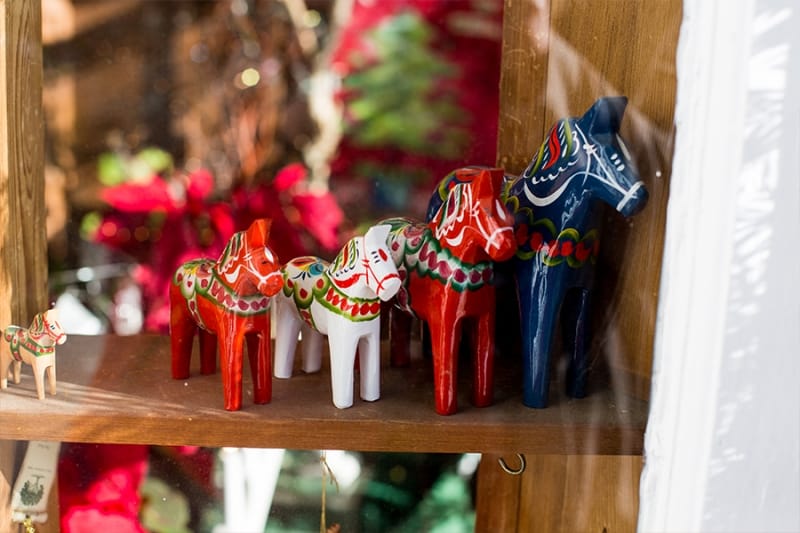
{"x": 383, "y": 255}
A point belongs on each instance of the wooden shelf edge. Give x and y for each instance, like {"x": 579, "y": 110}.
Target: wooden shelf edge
{"x": 118, "y": 390}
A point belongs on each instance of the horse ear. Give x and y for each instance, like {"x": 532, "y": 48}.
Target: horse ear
{"x": 494, "y": 180}
{"x": 605, "y": 115}
{"x": 498, "y": 176}
{"x": 258, "y": 232}
{"x": 377, "y": 233}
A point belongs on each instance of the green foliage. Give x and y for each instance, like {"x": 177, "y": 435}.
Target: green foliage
{"x": 405, "y": 98}
{"x": 156, "y": 159}
{"x": 114, "y": 168}
{"x": 111, "y": 169}
{"x": 165, "y": 510}
{"x": 447, "y": 508}
{"x": 90, "y": 224}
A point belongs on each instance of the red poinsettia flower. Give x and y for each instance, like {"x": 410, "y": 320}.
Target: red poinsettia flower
{"x": 162, "y": 223}
{"x": 98, "y": 487}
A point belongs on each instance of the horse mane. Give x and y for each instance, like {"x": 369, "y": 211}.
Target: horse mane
{"x": 557, "y": 151}
{"x": 256, "y": 235}
{"x": 231, "y": 252}
{"x": 347, "y": 256}
{"x": 37, "y": 325}
{"x": 445, "y": 187}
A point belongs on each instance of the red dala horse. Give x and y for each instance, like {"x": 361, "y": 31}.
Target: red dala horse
{"x": 447, "y": 270}
{"x": 228, "y": 301}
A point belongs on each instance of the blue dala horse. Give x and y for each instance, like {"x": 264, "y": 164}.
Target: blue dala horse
{"x": 582, "y": 162}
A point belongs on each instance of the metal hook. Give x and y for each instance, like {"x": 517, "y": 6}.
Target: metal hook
{"x": 510, "y": 470}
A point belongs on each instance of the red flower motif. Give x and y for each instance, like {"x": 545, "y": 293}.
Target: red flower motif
{"x": 582, "y": 252}
{"x": 537, "y": 241}
{"x": 521, "y": 234}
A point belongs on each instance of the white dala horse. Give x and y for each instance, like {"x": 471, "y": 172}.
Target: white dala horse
{"x": 341, "y": 300}
{"x": 35, "y": 346}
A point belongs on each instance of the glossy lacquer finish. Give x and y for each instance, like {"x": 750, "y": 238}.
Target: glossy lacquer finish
{"x": 447, "y": 267}
{"x": 341, "y": 300}
{"x": 555, "y": 201}
{"x": 35, "y": 346}
{"x": 227, "y": 301}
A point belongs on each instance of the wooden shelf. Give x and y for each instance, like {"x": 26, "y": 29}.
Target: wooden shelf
{"x": 119, "y": 390}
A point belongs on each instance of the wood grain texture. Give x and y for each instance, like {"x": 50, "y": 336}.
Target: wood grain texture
{"x": 558, "y": 58}
{"x": 119, "y": 390}
{"x": 584, "y": 493}
{"x": 23, "y": 260}
{"x": 497, "y": 506}
{"x": 523, "y": 77}
{"x": 23, "y": 257}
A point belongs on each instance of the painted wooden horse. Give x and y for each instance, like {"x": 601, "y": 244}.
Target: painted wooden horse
{"x": 35, "y": 346}
{"x": 447, "y": 270}
{"x": 228, "y": 301}
{"x": 555, "y": 201}
{"x": 341, "y": 300}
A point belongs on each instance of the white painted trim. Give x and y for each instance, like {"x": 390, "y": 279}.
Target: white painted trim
{"x": 694, "y": 343}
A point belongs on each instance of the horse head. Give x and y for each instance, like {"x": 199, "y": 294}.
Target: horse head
{"x": 616, "y": 180}
{"x": 465, "y": 212}
{"x": 582, "y": 157}
{"x": 248, "y": 261}
{"x": 364, "y": 267}
{"x": 52, "y": 327}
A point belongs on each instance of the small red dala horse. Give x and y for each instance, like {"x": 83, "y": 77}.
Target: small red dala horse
{"x": 227, "y": 301}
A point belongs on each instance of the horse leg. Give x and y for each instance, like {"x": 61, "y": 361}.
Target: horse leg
{"x": 51, "y": 379}
{"x": 342, "y": 344}
{"x": 208, "y": 352}
{"x": 399, "y": 333}
{"x": 258, "y": 351}
{"x": 181, "y": 333}
{"x": 369, "y": 359}
{"x": 539, "y": 301}
{"x": 39, "y": 368}
{"x": 312, "y": 350}
{"x": 5, "y": 366}
{"x": 230, "y": 353}
{"x": 16, "y": 367}
{"x": 575, "y": 325}
{"x": 483, "y": 358}
{"x": 445, "y": 334}
{"x": 286, "y": 330}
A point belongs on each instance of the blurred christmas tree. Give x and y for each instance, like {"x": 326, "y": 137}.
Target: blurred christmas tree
{"x": 419, "y": 98}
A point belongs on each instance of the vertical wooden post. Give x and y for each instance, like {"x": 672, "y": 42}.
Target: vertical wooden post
{"x": 23, "y": 245}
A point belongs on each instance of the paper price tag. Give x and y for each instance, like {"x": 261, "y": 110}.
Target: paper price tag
{"x": 33, "y": 484}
